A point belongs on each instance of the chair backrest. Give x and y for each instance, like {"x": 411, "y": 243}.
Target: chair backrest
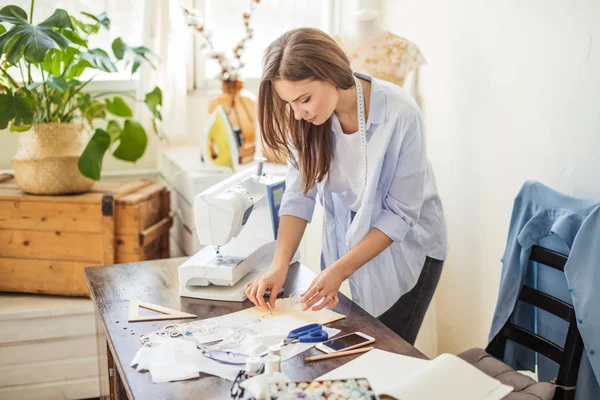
{"x": 569, "y": 357}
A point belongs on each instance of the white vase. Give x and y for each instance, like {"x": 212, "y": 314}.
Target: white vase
{"x": 47, "y": 157}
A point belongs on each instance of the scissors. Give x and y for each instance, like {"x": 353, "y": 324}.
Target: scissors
{"x": 306, "y": 334}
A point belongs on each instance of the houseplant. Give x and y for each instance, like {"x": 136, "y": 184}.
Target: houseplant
{"x": 53, "y": 114}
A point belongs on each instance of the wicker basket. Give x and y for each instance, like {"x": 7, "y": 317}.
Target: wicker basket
{"x": 47, "y": 157}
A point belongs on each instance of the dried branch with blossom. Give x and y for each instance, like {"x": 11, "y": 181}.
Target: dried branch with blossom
{"x": 230, "y": 68}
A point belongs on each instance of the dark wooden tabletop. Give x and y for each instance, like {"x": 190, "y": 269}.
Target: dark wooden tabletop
{"x": 157, "y": 282}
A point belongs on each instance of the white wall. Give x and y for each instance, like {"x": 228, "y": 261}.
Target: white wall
{"x": 511, "y": 92}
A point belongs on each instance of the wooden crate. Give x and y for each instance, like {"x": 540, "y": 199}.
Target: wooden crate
{"x": 47, "y": 241}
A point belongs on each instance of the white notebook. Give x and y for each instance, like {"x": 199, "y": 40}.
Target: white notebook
{"x": 446, "y": 377}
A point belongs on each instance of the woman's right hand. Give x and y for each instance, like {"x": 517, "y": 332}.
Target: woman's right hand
{"x": 273, "y": 280}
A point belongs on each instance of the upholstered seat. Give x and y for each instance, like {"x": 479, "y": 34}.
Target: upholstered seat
{"x": 525, "y": 388}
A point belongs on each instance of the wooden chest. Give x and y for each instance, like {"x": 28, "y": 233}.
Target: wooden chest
{"x": 47, "y": 241}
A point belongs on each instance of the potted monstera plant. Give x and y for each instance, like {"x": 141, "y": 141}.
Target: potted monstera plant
{"x": 65, "y": 132}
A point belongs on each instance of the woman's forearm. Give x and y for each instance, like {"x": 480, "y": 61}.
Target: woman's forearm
{"x": 289, "y": 236}
{"x": 373, "y": 243}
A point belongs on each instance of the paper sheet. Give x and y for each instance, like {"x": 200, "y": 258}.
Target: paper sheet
{"x": 285, "y": 307}
{"x": 408, "y": 378}
{"x": 382, "y": 368}
{"x": 171, "y": 359}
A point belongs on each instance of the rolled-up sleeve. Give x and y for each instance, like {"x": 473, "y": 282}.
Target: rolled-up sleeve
{"x": 294, "y": 202}
{"x": 402, "y": 204}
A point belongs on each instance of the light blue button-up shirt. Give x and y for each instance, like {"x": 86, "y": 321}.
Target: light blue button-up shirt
{"x": 570, "y": 226}
{"x": 400, "y": 199}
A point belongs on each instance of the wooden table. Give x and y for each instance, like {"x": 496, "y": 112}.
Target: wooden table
{"x": 157, "y": 282}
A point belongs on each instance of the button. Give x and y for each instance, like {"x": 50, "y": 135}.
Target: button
{"x": 570, "y": 290}
{"x": 580, "y": 321}
{"x": 592, "y": 352}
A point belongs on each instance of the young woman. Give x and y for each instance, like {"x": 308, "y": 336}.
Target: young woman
{"x": 358, "y": 142}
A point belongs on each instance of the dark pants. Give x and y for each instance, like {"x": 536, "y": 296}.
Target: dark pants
{"x": 406, "y": 315}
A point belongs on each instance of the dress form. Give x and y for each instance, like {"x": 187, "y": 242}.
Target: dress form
{"x": 380, "y": 53}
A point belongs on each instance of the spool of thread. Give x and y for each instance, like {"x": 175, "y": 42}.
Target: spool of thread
{"x": 253, "y": 364}
{"x": 274, "y": 350}
{"x": 272, "y": 363}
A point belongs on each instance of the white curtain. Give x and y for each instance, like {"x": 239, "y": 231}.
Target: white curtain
{"x": 168, "y": 35}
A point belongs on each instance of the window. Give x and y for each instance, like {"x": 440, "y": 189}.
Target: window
{"x": 127, "y": 22}
{"x": 270, "y": 19}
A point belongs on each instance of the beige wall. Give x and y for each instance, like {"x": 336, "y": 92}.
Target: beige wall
{"x": 511, "y": 92}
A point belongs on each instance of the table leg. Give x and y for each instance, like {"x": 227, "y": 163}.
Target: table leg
{"x": 111, "y": 385}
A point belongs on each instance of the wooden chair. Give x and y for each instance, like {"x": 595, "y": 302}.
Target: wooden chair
{"x": 567, "y": 357}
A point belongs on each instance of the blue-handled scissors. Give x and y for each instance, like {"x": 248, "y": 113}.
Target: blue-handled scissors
{"x": 306, "y": 334}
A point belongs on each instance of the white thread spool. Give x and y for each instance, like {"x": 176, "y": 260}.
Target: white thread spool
{"x": 272, "y": 363}
{"x": 274, "y": 350}
{"x": 253, "y": 365}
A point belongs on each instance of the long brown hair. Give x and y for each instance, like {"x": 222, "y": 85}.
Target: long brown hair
{"x": 299, "y": 54}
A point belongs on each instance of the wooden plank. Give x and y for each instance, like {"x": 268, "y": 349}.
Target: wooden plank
{"x": 145, "y": 190}
{"x": 6, "y": 177}
{"x": 47, "y": 328}
{"x": 69, "y": 390}
{"x": 24, "y": 353}
{"x": 128, "y": 219}
{"x": 158, "y": 230}
{"x": 132, "y": 217}
{"x": 152, "y": 209}
{"x": 48, "y": 371}
{"x": 49, "y": 216}
{"x": 132, "y": 187}
{"x": 10, "y": 191}
{"x": 128, "y": 248}
{"x": 43, "y": 276}
{"x": 64, "y": 246}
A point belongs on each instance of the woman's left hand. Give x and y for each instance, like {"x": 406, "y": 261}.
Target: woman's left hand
{"x": 324, "y": 287}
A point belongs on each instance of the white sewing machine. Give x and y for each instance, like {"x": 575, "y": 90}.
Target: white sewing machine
{"x": 237, "y": 220}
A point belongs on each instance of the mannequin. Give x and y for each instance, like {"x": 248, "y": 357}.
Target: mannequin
{"x": 382, "y": 54}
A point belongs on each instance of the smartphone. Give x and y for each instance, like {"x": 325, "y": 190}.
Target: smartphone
{"x": 346, "y": 342}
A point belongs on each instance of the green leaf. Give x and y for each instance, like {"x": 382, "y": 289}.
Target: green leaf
{"x": 33, "y": 86}
{"x": 102, "y": 19}
{"x": 61, "y": 84}
{"x": 85, "y": 28}
{"x": 90, "y": 162}
{"x": 60, "y": 19}
{"x": 114, "y": 130}
{"x": 58, "y": 82}
{"x": 24, "y": 107}
{"x": 153, "y": 100}
{"x": 18, "y": 107}
{"x": 7, "y": 109}
{"x": 74, "y": 38}
{"x": 135, "y": 55}
{"x": 13, "y": 15}
{"x": 95, "y": 110}
{"x": 23, "y": 128}
{"x": 52, "y": 62}
{"x": 97, "y": 58}
{"x": 119, "y": 47}
{"x": 32, "y": 41}
{"x": 2, "y": 29}
{"x": 133, "y": 142}
{"x": 118, "y": 107}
